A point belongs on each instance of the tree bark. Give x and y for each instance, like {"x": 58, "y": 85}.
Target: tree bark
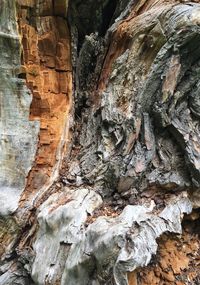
{"x": 100, "y": 146}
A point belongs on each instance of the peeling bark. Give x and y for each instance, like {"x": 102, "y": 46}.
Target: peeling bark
{"x": 100, "y": 160}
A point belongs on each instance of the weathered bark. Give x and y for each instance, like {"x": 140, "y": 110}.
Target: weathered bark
{"x": 100, "y": 146}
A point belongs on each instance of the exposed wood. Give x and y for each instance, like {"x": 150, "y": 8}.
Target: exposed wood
{"x": 99, "y": 142}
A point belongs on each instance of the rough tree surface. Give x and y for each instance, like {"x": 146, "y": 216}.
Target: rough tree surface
{"x": 99, "y": 142}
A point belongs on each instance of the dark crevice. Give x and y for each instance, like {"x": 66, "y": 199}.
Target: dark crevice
{"x": 91, "y": 17}
{"x": 107, "y": 16}
{"x": 89, "y": 21}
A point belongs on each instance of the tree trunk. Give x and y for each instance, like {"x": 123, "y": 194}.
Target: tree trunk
{"x": 100, "y": 144}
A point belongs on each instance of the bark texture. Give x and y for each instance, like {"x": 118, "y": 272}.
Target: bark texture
{"x": 100, "y": 145}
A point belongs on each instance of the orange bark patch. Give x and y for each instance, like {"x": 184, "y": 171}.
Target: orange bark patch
{"x": 47, "y": 69}
{"x": 132, "y": 278}
{"x": 177, "y": 262}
